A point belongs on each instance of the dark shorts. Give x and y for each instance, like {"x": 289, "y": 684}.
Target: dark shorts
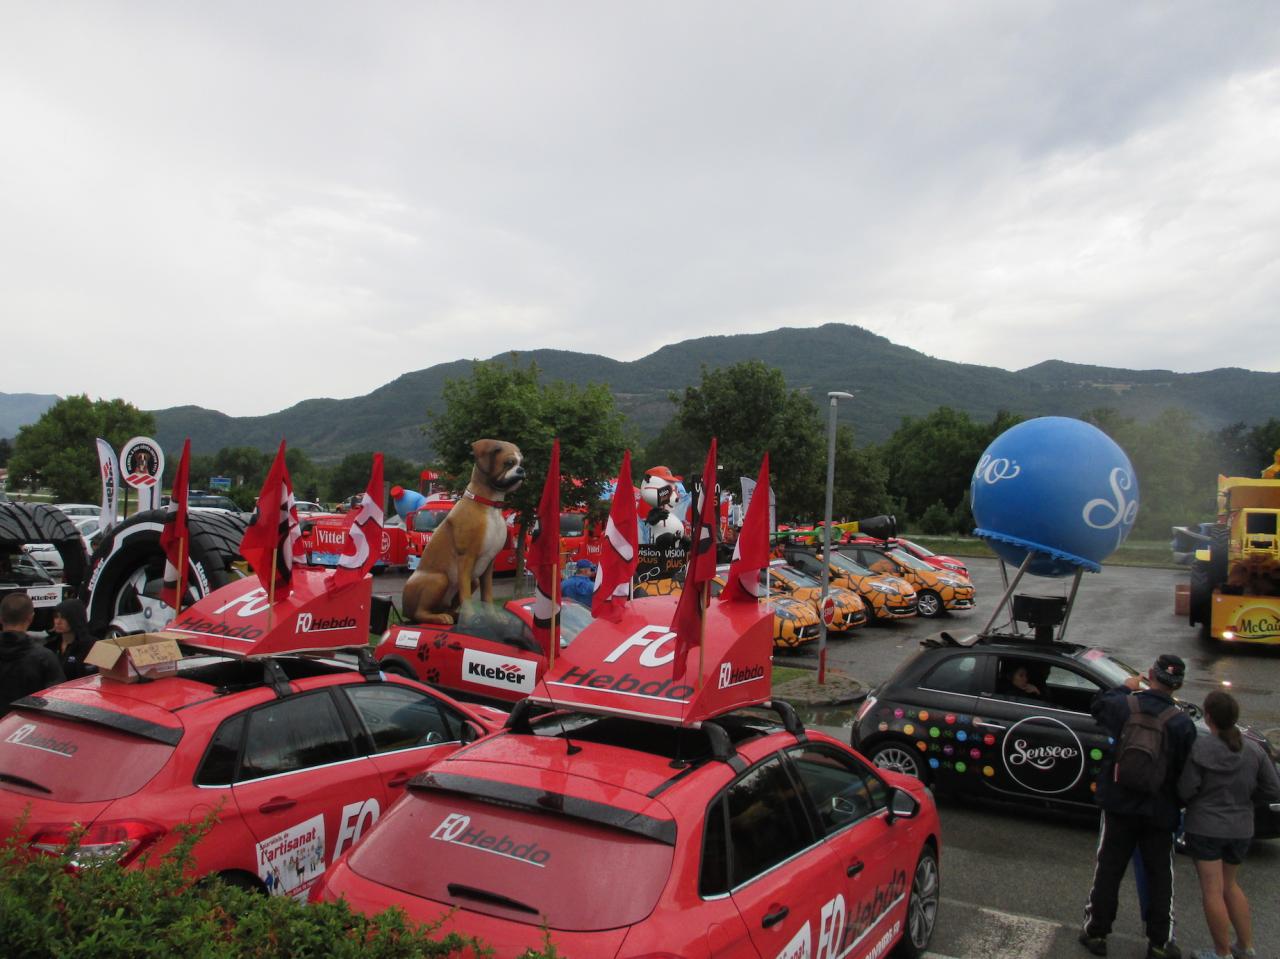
{"x": 1211, "y": 848}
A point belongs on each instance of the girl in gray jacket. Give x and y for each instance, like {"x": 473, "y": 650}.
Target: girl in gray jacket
{"x": 1219, "y": 782}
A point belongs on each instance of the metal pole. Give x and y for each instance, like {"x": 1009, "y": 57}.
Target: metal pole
{"x": 1071, "y": 602}
{"x": 835, "y": 398}
{"x": 1026, "y": 561}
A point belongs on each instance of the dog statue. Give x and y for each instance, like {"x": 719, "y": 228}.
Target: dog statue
{"x": 458, "y": 558}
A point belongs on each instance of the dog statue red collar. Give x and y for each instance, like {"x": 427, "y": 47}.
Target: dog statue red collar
{"x": 496, "y": 504}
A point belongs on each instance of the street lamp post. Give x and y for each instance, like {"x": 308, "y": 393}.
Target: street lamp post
{"x": 835, "y": 396}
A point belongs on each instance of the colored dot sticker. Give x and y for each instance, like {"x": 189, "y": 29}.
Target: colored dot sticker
{"x": 1095, "y": 755}
{"x": 883, "y": 726}
{"x": 924, "y": 716}
{"x": 961, "y": 735}
{"x": 975, "y": 753}
{"x": 948, "y": 750}
{"x": 961, "y": 767}
{"x": 989, "y": 739}
{"x": 950, "y": 719}
{"x": 897, "y": 713}
{"x": 988, "y": 771}
{"x": 934, "y": 764}
{"x": 1093, "y": 787}
{"x": 962, "y": 720}
{"x": 935, "y": 732}
{"x": 922, "y": 746}
{"x": 909, "y": 729}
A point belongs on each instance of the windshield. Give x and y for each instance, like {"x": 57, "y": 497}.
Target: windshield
{"x": 69, "y": 761}
{"x": 571, "y": 524}
{"x": 213, "y": 502}
{"x": 1112, "y": 670}
{"x": 426, "y": 520}
{"x": 798, "y": 578}
{"x": 574, "y": 618}
{"x": 841, "y": 561}
{"x": 22, "y": 570}
{"x": 906, "y": 559}
{"x": 917, "y": 548}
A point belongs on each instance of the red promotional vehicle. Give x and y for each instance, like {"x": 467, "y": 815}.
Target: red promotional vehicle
{"x": 326, "y": 536}
{"x": 936, "y": 560}
{"x": 491, "y": 657}
{"x": 422, "y": 522}
{"x": 293, "y": 757}
{"x": 654, "y": 815}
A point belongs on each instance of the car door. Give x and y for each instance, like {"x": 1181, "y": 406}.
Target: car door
{"x": 408, "y": 730}
{"x": 300, "y": 771}
{"x": 778, "y": 870}
{"x": 851, "y": 803}
{"x": 943, "y": 720}
{"x": 1036, "y": 747}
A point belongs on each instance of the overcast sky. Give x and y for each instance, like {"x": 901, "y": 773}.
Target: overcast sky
{"x": 244, "y": 205}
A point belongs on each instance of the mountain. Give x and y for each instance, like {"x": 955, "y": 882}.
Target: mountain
{"x": 20, "y": 409}
{"x": 889, "y": 382}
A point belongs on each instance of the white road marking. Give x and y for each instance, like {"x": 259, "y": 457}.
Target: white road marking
{"x": 995, "y": 934}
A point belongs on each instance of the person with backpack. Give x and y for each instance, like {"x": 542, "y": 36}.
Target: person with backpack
{"x": 1137, "y": 788}
{"x": 1219, "y": 783}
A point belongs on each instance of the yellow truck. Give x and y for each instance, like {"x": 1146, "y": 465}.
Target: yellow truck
{"x": 1234, "y": 593}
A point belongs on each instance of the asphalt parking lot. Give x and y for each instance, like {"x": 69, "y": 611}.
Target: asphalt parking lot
{"x": 1015, "y": 880}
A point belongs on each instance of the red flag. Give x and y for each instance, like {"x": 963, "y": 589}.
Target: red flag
{"x": 175, "y": 538}
{"x": 751, "y": 552}
{"x": 364, "y": 529}
{"x": 701, "y": 570}
{"x": 544, "y": 560}
{"x": 619, "y": 552}
{"x": 268, "y": 542}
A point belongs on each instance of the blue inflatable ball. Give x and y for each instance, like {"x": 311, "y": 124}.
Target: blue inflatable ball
{"x": 1058, "y": 486}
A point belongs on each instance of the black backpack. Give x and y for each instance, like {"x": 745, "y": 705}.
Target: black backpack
{"x": 1142, "y": 760}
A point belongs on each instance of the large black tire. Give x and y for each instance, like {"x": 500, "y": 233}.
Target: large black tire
{"x": 1219, "y": 540}
{"x": 1199, "y": 596}
{"x": 22, "y": 523}
{"x": 122, "y": 591}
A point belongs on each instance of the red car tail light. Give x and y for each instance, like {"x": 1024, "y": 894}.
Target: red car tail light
{"x": 122, "y": 840}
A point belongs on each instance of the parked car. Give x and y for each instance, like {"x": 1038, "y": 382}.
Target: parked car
{"x": 306, "y": 507}
{"x": 294, "y": 758}
{"x": 936, "y": 560}
{"x": 21, "y": 573}
{"x": 613, "y": 834}
{"x": 80, "y": 509}
{"x": 886, "y": 597}
{"x": 951, "y": 717}
{"x": 848, "y": 613}
{"x": 937, "y": 592}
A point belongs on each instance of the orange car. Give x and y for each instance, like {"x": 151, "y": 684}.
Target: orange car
{"x": 786, "y": 580}
{"x": 885, "y": 597}
{"x": 795, "y": 621}
{"x": 937, "y": 591}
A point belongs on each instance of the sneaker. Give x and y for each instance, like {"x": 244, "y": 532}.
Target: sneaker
{"x": 1239, "y": 952}
{"x": 1095, "y": 944}
{"x": 1208, "y": 954}
{"x": 1168, "y": 950}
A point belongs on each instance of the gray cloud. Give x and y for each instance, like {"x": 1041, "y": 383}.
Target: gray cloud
{"x": 245, "y": 205}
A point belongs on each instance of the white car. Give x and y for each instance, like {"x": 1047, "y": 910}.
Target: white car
{"x": 90, "y": 530}
{"x": 306, "y": 506}
{"x": 80, "y": 509}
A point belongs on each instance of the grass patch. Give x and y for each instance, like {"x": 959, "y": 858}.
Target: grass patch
{"x": 784, "y": 674}
{"x": 1155, "y": 553}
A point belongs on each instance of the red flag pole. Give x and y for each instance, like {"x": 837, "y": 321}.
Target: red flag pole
{"x": 703, "y": 599}
{"x": 182, "y": 569}
{"x": 271, "y": 589}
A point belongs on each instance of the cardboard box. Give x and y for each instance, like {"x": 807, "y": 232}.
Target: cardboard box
{"x": 1181, "y": 599}
{"x": 128, "y": 659}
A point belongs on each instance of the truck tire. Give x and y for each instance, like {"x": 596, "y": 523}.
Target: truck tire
{"x": 41, "y": 523}
{"x": 1219, "y": 540}
{"x": 1200, "y": 599}
{"x": 122, "y": 591}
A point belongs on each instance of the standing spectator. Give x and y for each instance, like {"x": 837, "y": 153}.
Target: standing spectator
{"x": 581, "y": 584}
{"x": 26, "y": 667}
{"x": 1140, "y": 816}
{"x": 1219, "y": 783}
{"x": 70, "y": 640}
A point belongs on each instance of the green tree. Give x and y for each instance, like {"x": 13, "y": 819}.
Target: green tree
{"x": 59, "y": 451}
{"x": 351, "y": 474}
{"x": 507, "y": 402}
{"x": 6, "y": 450}
{"x": 931, "y": 460}
{"x": 749, "y": 409}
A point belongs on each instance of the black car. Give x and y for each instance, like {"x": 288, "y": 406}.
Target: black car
{"x": 961, "y": 715}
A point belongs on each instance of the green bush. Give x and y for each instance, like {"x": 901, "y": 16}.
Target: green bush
{"x": 103, "y": 912}
{"x": 936, "y": 520}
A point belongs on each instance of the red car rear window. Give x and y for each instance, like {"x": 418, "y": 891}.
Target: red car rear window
{"x": 514, "y": 863}
{"x": 70, "y": 761}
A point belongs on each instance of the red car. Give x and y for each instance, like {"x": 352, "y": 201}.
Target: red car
{"x": 936, "y": 560}
{"x": 493, "y": 658}
{"x": 650, "y": 817}
{"x": 421, "y": 523}
{"x": 293, "y": 757}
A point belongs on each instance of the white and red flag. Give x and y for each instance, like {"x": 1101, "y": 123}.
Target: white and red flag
{"x": 364, "y": 530}
{"x": 619, "y": 552}
{"x": 701, "y": 569}
{"x": 751, "y": 552}
{"x": 175, "y": 537}
{"x": 544, "y": 561}
{"x": 268, "y": 542}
